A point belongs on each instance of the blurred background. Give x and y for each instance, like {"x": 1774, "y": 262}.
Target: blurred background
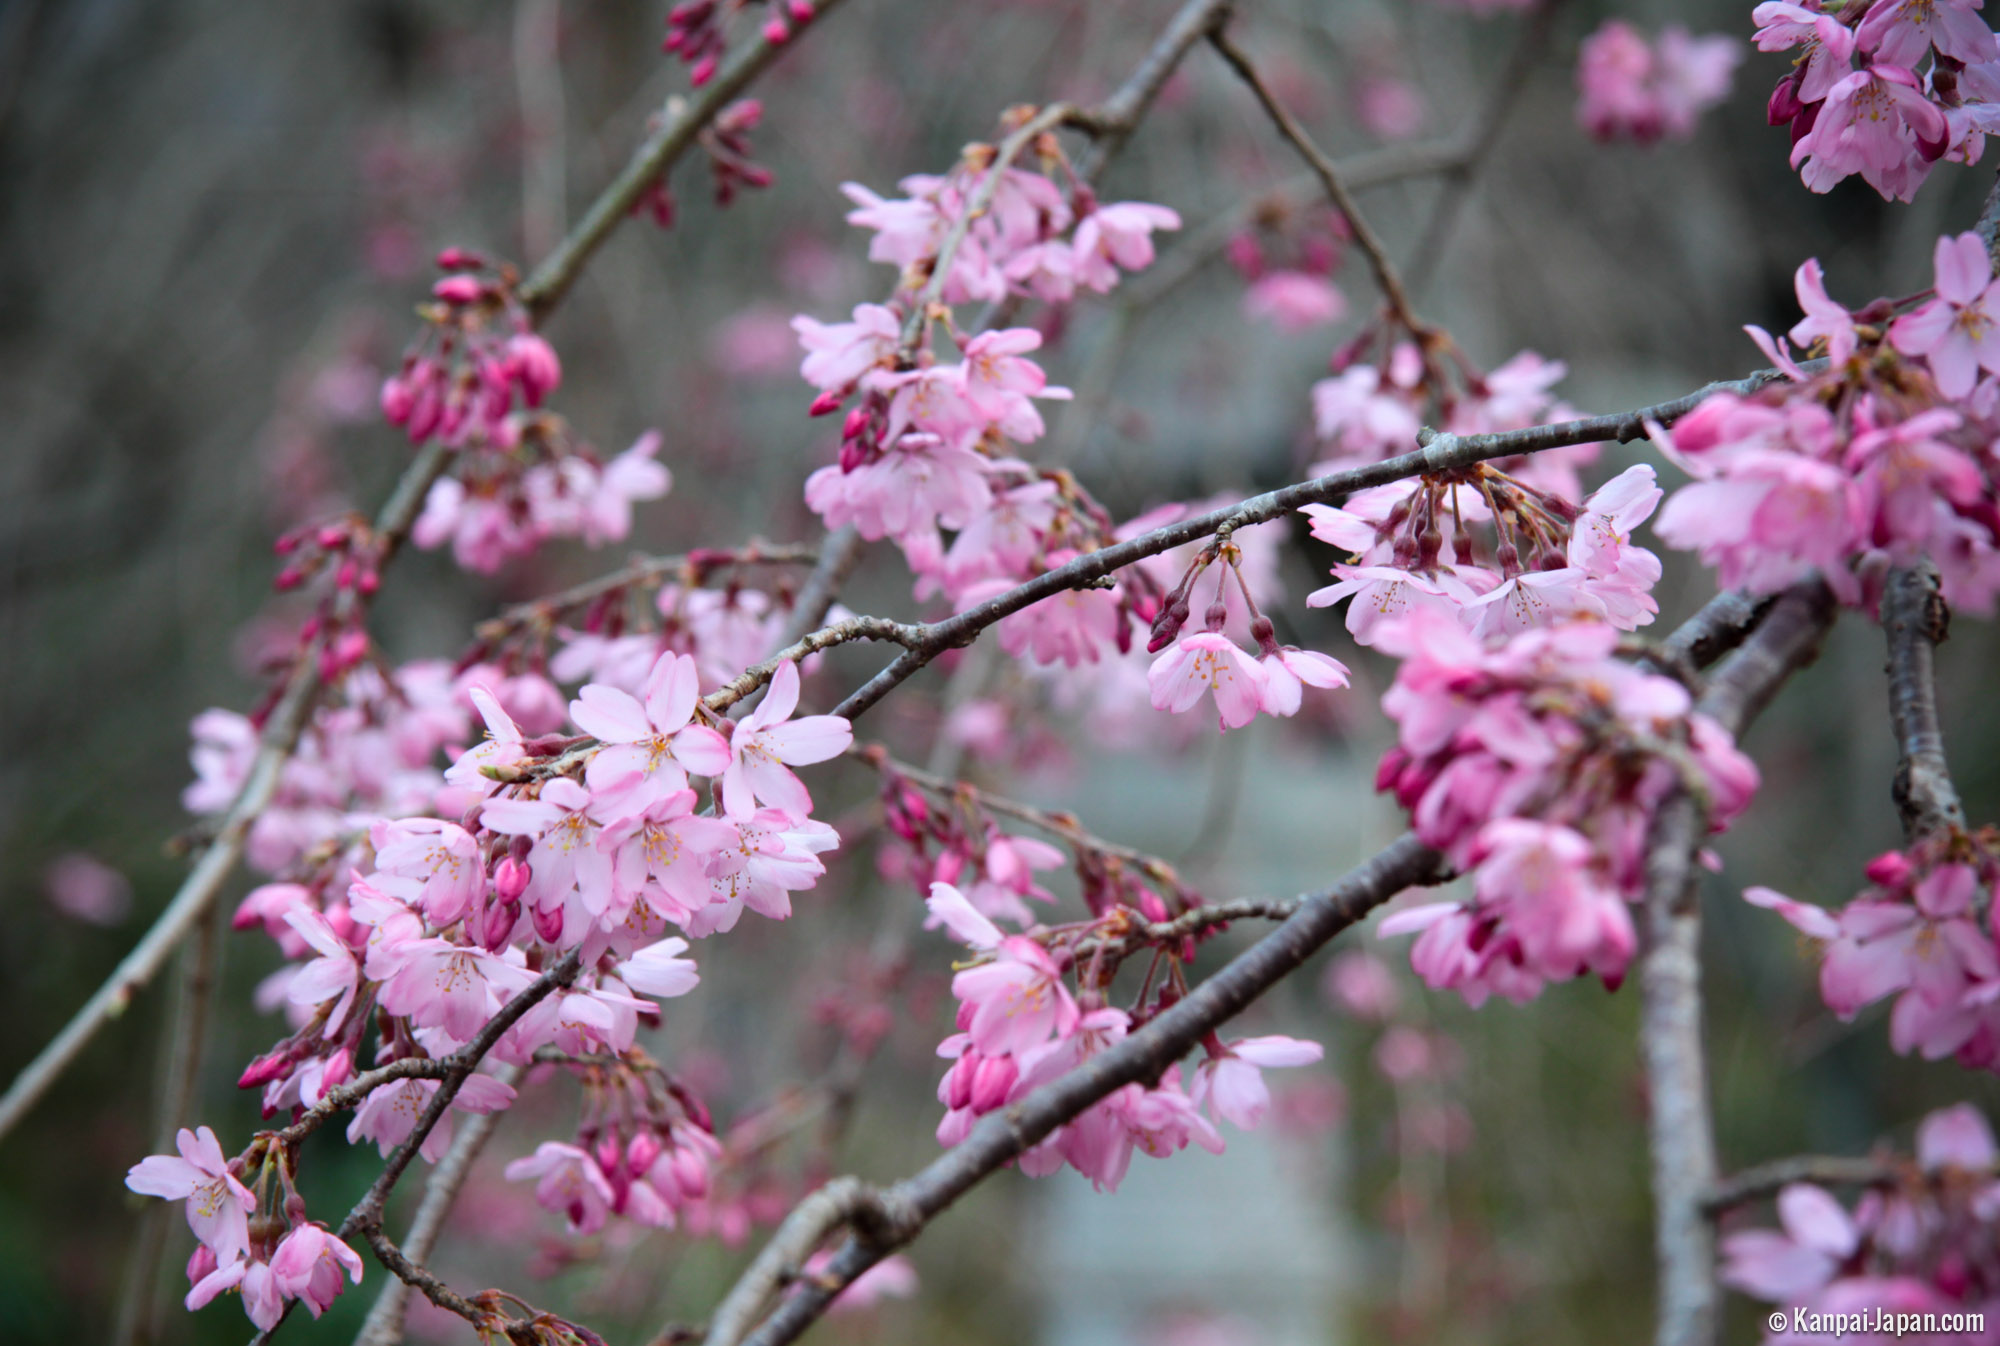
{"x": 214, "y": 221}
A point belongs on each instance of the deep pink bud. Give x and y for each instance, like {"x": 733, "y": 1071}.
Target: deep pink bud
{"x": 457, "y": 290}
{"x": 331, "y": 537}
{"x": 703, "y": 71}
{"x": 959, "y": 1079}
{"x": 826, "y": 403}
{"x": 690, "y": 1173}
{"x": 1151, "y": 905}
{"x": 1891, "y": 869}
{"x": 288, "y": 579}
{"x": 202, "y": 1264}
{"x": 510, "y": 879}
{"x": 498, "y": 923}
{"x": 549, "y": 923}
{"x": 369, "y": 582}
{"x": 641, "y": 1153}
{"x": 802, "y": 10}
{"x": 775, "y": 31}
{"x": 397, "y": 399}
{"x": 339, "y": 1068}
{"x": 350, "y": 648}
{"x": 458, "y": 259}
{"x": 268, "y": 1067}
{"x": 991, "y": 1082}
{"x": 344, "y": 577}
{"x": 535, "y": 365}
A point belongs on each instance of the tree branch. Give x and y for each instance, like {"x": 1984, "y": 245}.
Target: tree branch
{"x": 1916, "y": 620}
{"x": 1754, "y": 1184}
{"x": 999, "y": 1138}
{"x": 384, "y": 1325}
{"x": 1670, "y": 1015}
{"x": 1440, "y": 453}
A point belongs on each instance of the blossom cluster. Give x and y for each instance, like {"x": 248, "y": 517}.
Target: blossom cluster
{"x": 1924, "y": 1240}
{"x": 1536, "y": 764}
{"x": 1630, "y": 89}
{"x": 475, "y": 359}
{"x": 1550, "y": 560}
{"x": 1019, "y": 1027}
{"x": 1883, "y": 89}
{"x": 589, "y": 845}
{"x": 1921, "y": 932}
{"x": 1882, "y": 458}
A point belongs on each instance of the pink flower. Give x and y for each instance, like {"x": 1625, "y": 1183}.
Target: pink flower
{"x": 838, "y": 354}
{"x": 1116, "y": 236}
{"x": 1902, "y": 32}
{"x": 606, "y": 514}
{"x": 564, "y": 821}
{"x": 918, "y": 483}
{"x": 949, "y": 908}
{"x": 1232, "y": 1084}
{"x": 1877, "y": 123}
{"x": 1955, "y": 331}
{"x": 1824, "y": 320}
{"x": 773, "y": 856}
{"x": 441, "y": 857}
{"x": 1632, "y": 90}
{"x": 643, "y": 738}
{"x": 662, "y": 854}
{"x": 659, "y": 970}
{"x": 1294, "y": 301}
{"x": 1209, "y": 661}
{"x": 389, "y": 1114}
{"x": 336, "y": 972}
{"x": 218, "y": 1206}
{"x": 1828, "y": 43}
{"x": 569, "y": 1181}
{"x": 1288, "y": 671}
{"x": 1017, "y": 1000}
{"x": 502, "y": 747}
{"x": 308, "y": 1266}
{"x": 444, "y": 985}
{"x": 763, "y": 744}
{"x": 86, "y": 888}
{"x": 1956, "y": 1137}
{"x": 998, "y": 382}
{"x": 1786, "y": 1268}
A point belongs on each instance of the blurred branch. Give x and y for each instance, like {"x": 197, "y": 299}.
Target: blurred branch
{"x": 1064, "y": 825}
{"x": 1754, "y": 1184}
{"x": 680, "y": 121}
{"x": 1717, "y": 629}
{"x": 1484, "y": 134}
{"x": 1440, "y": 453}
{"x": 1916, "y": 620}
{"x": 280, "y": 737}
{"x": 1386, "y": 277}
{"x": 141, "y": 1302}
{"x": 384, "y": 1325}
{"x": 1670, "y": 1014}
{"x": 690, "y": 568}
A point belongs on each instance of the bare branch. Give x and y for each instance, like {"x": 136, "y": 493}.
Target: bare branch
{"x": 1754, "y": 1184}
{"x": 839, "y": 1204}
{"x": 1670, "y": 1015}
{"x": 1916, "y": 621}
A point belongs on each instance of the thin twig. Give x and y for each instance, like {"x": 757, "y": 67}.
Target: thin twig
{"x": 1064, "y": 825}
{"x": 1440, "y": 453}
{"x": 1387, "y": 278}
{"x": 1754, "y": 1184}
{"x": 643, "y": 571}
{"x": 1915, "y": 620}
{"x": 1670, "y": 1014}
{"x": 384, "y": 1325}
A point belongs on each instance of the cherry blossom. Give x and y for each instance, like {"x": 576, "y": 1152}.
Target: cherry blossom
{"x": 218, "y": 1206}
{"x": 768, "y": 740}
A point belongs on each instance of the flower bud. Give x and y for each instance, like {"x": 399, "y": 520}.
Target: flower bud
{"x": 992, "y": 1081}
{"x": 510, "y": 879}
{"x": 457, "y": 290}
